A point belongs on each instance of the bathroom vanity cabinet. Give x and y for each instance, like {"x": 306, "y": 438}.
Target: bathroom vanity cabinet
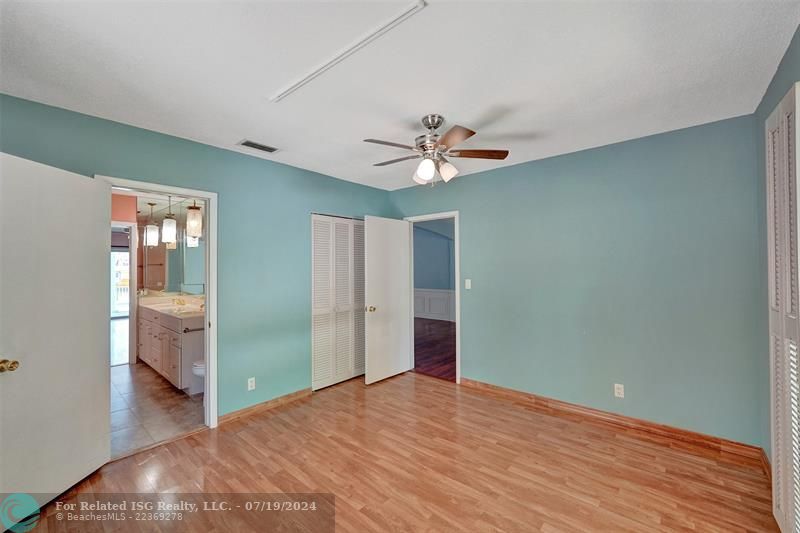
{"x": 169, "y": 343}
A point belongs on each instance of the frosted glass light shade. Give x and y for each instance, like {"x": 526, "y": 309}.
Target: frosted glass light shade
{"x": 426, "y": 169}
{"x": 169, "y": 230}
{"x": 151, "y": 235}
{"x": 419, "y": 180}
{"x": 172, "y": 246}
{"x": 447, "y": 171}
{"x": 192, "y": 242}
{"x": 194, "y": 221}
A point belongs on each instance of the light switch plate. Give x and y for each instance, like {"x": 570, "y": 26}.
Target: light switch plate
{"x": 467, "y": 284}
{"x": 251, "y": 383}
{"x": 619, "y": 390}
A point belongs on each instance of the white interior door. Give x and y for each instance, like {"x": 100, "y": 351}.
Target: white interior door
{"x": 388, "y": 298}
{"x": 784, "y": 310}
{"x": 54, "y": 309}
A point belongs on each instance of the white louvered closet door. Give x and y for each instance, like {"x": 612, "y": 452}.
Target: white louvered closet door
{"x": 337, "y": 289}
{"x": 784, "y": 310}
{"x": 358, "y": 293}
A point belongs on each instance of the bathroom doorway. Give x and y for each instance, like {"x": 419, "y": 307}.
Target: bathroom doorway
{"x": 164, "y": 387}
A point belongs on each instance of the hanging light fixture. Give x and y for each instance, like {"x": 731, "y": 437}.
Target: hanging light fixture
{"x": 447, "y": 170}
{"x": 192, "y": 242}
{"x": 194, "y": 221}
{"x": 426, "y": 170}
{"x": 172, "y": 245}
{"x": 151, "y": 229}
{"x": 169, "y": 227}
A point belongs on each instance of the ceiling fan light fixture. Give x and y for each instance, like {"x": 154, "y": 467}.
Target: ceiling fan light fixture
{"x": 448, "y": 171}
{"x": 426, "y": 170}
{"x": 418, "y": 180}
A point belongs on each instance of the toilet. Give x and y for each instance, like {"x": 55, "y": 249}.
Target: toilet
{"x": 199, "y": 368}
{"x": 198, "y": 382}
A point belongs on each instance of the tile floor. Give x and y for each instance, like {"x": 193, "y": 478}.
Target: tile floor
{"x": 119, "y": 341}
{"x": 146, "y": 409}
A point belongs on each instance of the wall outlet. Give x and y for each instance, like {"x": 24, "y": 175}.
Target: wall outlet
{"x": 619, "y": 390}
{"x": 251, "y": 383}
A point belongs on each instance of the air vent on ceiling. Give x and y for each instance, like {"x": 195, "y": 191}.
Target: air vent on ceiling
{"x": 258, "y": 146}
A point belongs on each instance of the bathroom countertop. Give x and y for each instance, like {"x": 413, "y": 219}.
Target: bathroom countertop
{"x": 178, "y": 311}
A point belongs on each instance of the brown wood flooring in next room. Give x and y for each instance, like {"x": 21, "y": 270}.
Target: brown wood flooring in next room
{"x": 435, "y": 348}
{"x": 414, "y": 453}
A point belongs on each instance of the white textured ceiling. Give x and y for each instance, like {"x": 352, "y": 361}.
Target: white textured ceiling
{"x": 539, "y": 78}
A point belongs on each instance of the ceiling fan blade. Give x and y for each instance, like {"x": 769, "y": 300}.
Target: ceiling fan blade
{"x": 389, "y": 143}
{"x": 479, "y": 154}
{"x": 455, "y": 135}
{"x": 393, "y": 161}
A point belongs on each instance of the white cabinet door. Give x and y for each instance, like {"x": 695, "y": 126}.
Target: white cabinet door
{"x": 388, "y": 297}
{"x": 54, "y": 242}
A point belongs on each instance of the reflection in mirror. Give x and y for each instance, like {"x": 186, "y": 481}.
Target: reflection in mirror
{"x": 178, "y": 268}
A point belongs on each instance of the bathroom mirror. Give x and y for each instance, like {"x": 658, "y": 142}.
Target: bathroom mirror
{"x": 178, "y": 268}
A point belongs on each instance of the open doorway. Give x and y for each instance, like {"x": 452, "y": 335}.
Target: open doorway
{"x": 436, "y": 299}
{"x": 120, "y": 293}
{"x": 160, "y": 281}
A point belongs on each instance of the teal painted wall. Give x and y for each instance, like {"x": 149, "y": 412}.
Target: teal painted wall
{"x": 636, "y": 263}
{"x": 264, "y": 228}
{"x": 641, "y": 263}
{"x": 787, "y": 74}
{"x": 434, "y": 265}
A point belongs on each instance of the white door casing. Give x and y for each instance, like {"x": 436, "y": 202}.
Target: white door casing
{"x": 389, "y": 294}
{"x": 54, "y": 309}
{"x": 784, "y": 309}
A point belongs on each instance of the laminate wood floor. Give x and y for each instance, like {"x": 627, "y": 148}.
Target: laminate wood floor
{"x": 414, "y": 453}
{"x": 435, "y": 348}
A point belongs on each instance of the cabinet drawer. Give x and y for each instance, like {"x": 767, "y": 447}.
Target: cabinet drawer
{"x": 148, "y": 314}
{"x": 170, "y": 322}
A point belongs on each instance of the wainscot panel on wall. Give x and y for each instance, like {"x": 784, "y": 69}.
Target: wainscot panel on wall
{"x": 264, "y": 230}
{"x": 787, "y": 74}
{"x": 434, "y": 267}
{"x": 637, "y": 263}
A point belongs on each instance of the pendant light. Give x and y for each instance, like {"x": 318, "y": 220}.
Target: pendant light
{"x": 172, "y": 245}
{"x": 194, "y": 221}
{"x": 169, "y": 227}
{"x": 192, "y": 242}
{"x": 151, "y": 230}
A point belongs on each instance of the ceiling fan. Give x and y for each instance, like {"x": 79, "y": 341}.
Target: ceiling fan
{"x": 434, "y": 149}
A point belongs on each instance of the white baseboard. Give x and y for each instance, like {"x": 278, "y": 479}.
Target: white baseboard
{"x": 435, "y": 304}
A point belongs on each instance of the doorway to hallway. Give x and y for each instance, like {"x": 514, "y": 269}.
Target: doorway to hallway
{"x": 435, "y": 277}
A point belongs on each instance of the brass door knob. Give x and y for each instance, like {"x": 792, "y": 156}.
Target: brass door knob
{"x": 372, "y": 309}
{"x": 8, "y": 366}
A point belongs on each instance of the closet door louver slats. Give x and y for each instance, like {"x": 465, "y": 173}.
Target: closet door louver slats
{"x": 359, "y": 322}
{"x": 337, "y": 315}
{"x": 784, "y": 311}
